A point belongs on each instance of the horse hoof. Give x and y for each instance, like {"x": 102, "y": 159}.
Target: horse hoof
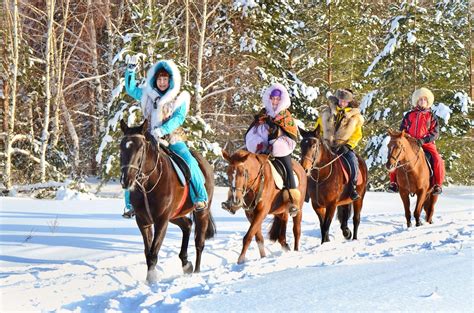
{"x": 285, "y": 247}
{"x": 152, "y": 276}
{"x": 188, "y": 268}
{"x": 241, "y": 260}
{"x": 418, "y": 224}
{"x": 347, "y": 234}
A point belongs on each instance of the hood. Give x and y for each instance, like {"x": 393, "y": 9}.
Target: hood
{"x": 284, "y": 103}
{"x": 175, "y": 80}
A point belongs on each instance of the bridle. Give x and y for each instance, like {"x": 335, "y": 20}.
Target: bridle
{"x": 313, "y": 161}
{"x": 142, "y": 177}
{"x": 396, "y": 158}
{"x": 247, "y": 187}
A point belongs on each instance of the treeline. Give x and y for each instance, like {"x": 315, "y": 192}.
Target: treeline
{"x": 63, "y": 63}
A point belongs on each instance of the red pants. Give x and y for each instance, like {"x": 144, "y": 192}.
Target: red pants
{"x": 438, "y": 164}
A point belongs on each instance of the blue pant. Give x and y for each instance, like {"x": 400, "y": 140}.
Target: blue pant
{"x": 197, "y": 190}
{"x": 351, "y": 158}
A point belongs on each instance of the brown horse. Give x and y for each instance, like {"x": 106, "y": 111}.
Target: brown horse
{"x": 413, "y": 177}
{"x": 252, "y": 187}
{"x": 155, "y": 193}
{"x": 326, "y": 186}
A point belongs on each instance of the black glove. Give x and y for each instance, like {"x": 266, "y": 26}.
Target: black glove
{"x": 343, "y": 149}
{"x": 420, "y": 142}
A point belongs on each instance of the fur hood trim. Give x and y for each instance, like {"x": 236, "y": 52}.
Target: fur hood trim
{"x": 284, "y": 103}
{"x": 422, "y": 92}
{"x": 175, "y": 81}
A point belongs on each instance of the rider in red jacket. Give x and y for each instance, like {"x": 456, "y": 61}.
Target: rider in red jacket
{"x": 422, "y": 124}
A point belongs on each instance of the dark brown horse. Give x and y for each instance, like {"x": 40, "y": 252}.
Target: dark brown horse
{"x": 326, "y": 186}
{"x": 413, "y": 176}
{"x": 155, "y": 193}
{"x": 253, "y": 188}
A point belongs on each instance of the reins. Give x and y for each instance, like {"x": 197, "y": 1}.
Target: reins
{"x": 245, "y": 190}
{"x": 141, "y": 178}
{"x": 403, "y": 165}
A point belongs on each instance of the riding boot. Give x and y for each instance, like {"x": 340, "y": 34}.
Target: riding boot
{"x": 353, "y": 192}
{"x": 128, "y": 211}
{"x": 292, "y": 197}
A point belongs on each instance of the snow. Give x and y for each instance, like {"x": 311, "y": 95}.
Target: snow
{"x": 80, "y": 255}
{"x": 464, "y": 101}
{"x": 367, "y": 100}
{"x": 443, "y": 111}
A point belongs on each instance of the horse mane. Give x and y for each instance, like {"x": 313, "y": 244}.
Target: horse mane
{"x": 240, "y": 156}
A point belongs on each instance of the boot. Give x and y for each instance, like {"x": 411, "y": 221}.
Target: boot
{"x": 292, "y": 197}
{"x": 353, "y": 192}
{"x": 437, "y": 190}
{"x": 128, "y": 213}
{"x": 393, "y": 188}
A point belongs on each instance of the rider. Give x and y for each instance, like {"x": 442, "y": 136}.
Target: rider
{"x": 274, "y": 132}
{"x": 422, "y": 124}
{"x": 166, "y": 109}
{"x": 341, "y": 123}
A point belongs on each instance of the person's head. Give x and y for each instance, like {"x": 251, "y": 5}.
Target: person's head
{"x": 344, "y": 97}
{"x": 275, "y": 98}
{"x": 422, "y": 98}
{"x": 162, "y": 79}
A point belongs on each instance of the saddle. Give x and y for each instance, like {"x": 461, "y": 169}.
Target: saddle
{"x": 180, "y": 166}
{"x": 429, "y": 163}
{"x": 346, "y": 170}
{"x": 279, "y": 174}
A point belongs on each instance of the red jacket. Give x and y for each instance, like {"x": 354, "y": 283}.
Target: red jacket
{"x": 421, "y": 124}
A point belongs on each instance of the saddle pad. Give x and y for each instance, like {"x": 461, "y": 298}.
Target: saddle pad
{"x": 179, "y": 172}
{"x": 345, "y": 167}
{"x": 278, "y": 179}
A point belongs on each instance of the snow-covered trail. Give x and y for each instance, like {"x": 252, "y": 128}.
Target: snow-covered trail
{"x": 82, "y": 256}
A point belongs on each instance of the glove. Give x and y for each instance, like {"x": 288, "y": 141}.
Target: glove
{"x": 420, "y": 142}
{"x": 343, "y": 149}
{"x": 132, "y": 62}
{"x": 157, "y": 133}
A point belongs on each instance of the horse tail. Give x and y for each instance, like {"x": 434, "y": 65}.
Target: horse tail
{"x": 344, "y": 212}
{"x": 211, "y": 227}
{"x": 274, "y": 232}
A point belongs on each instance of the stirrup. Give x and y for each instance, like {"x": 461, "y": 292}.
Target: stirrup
{"x": 200, "y": 206}
{"x": 437, "y": 190}
{"x": 129, "y": 214}
{"x": 393, "y": 188}
{"x": 293, "y": 211}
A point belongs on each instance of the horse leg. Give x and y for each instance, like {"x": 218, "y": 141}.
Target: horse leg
{"x": 406, "y": 205}
{"x": 420, "y": 199}
{"x": 357, "y": 207}
{"x": 343, "y": 213}
{"x": 330, "y": 210}
{"x": 259, "y": 240}
{"x": 297, "y": 228}
{"x": 147, "y": 235}
{"x": 429, "y": 207}
{"x": 282, "y": 235}
{"x": 202, "y": 222}
{"x": 256, "y": 225}
{"x": 185, "y": 224}
{"x": 321, "y": 213}
{"x": 159, "y": 235}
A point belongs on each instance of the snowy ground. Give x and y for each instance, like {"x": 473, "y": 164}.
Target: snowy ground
{"x": 80, "y": 255}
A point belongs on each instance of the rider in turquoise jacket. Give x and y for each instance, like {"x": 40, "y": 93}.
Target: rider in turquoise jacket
{"x": 166, "y": 109}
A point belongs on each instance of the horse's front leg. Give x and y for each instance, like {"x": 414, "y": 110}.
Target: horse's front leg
{"x": 259, "y": 240}
{"x": 202, "y": 223}
{"x": 159, "y": 235}
{"x": 255, "y": 226}
{"x": 147, "y": 235}
{"x": 330, "y": 210}
{"x": 420, "y": 199}
{"x": 406, "y": 205}
{"x": 185, "y": 224}
{"x": 297, "y": 228}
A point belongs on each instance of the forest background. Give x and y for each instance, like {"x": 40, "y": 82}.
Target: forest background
{"x": 62, "y": 68}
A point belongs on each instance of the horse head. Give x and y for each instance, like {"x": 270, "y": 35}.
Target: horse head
{"x": 133, "y": 150}
{"x": 310, "y": 148}
{"x": 242, "y": 172}
{"x": 401, "y": 147}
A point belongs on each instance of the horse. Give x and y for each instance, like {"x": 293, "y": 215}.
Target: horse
{"x": 253, "y": 188}
{"x": 413, "y": 175}
{"x": 326, "y": 186}
{"x": 156, "y": 194}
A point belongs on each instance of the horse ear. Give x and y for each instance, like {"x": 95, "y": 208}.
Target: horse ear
{"x": 144, "y": 126}
{"x": 226, "y": 155}
{"x": 402, "y": 134}
{"x": 317, "y": 131}
{"x": 123, "y": 126}
{"x": 304, "y": 133}
{"x": 390, "y": 132}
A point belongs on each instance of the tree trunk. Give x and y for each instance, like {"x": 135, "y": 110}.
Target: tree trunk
{"x": 202, "y": 39}
{"x": 186, "y": 43}
{"x": 11, "y": 118}
{"x": 329, "y": 49}
{"x": 49, "y": 51}
{"x": 74, "y": 137}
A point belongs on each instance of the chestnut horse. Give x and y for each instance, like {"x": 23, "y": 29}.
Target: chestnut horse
{"x": 156, "y": 193}
{"x": 326, "y": 186}
{"x": 413, "y": 176}
{"x": 253, "y": 188}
